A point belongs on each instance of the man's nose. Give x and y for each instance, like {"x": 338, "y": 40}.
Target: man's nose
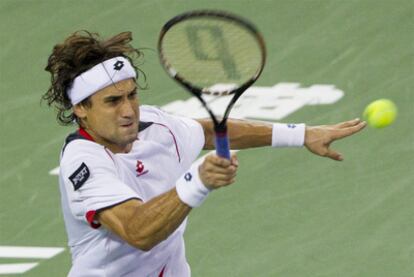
{"x": 127, "y": 109}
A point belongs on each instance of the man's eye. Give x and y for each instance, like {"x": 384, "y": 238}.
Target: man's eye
{"x": 113, "y": 101}
{"x": 132, "y": 95}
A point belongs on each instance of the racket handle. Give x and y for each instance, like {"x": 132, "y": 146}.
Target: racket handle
{"x": 222, "y": 145}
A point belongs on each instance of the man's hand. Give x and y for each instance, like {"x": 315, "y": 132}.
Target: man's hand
{"x": 216, "y": 172}
{"x": 319, "y": 138}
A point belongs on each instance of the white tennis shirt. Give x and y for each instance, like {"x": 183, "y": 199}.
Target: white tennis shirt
{"x": 92, "y": 178}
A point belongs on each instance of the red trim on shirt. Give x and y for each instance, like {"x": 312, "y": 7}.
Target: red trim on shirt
{"x": 90, "y": 217}
{"x": 175, "y": 141}
{"x": 85, "y": 134}
{"x": 162, "y": 272}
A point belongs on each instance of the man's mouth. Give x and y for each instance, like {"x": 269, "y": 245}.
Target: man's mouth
{"x": 127, "y": 125}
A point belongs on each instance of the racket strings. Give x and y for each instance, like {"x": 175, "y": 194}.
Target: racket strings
{"x": 212, "y": 52}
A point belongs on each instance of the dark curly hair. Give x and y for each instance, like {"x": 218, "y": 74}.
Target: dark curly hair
{"x": 78, "y": 53}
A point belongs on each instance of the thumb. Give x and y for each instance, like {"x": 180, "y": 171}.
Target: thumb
{"x": 334, "y": 155}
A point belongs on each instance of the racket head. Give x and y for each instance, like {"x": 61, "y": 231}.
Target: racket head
{"x": 212, "y": 52}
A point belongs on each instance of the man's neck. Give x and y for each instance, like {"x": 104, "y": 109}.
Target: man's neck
{"x": 114, "y": 148}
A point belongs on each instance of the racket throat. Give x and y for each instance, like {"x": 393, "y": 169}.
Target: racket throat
{"x": 221, "y": 128}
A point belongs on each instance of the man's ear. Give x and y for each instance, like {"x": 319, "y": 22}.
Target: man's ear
{"x": 80, "y": 111}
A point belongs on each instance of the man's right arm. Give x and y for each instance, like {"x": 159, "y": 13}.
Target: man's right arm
{"x": 144, "y": 225}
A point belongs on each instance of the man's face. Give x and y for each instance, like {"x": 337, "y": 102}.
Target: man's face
{"x": 112, "y": 119}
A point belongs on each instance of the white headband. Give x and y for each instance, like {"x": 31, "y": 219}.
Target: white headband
{"x": 100, "y": 76}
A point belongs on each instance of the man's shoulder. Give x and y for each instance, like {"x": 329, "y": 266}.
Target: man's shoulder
{"x": 151, "y": 113}
{"x": 83, "y": 154}
{"x": 77, "y": 144}
{"x": 71, "y": 138}
{"x": 158, "y": 116}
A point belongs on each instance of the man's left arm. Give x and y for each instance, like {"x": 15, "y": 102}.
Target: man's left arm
{"x": 248, "y": 134}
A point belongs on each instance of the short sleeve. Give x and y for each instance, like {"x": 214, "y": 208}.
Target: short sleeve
{"x": 90, "y": 179}
{"x": 190, "y": 138}
{"x": 188, "y": 133}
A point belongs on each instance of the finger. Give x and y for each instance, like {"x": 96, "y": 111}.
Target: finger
{"x": 225, "y": 183}
{"x": 342, "y": 133}
{"x": 234, "y": 161}
{"x": 230, "y": 182}
{"x": 334, "y": 155}
{"x": 220, "y": 179}
{"x": 212, "y": 168}
{"x": 219, "y": 161}
{"x": 348, "y": 123}
{"x": 224, "y": 177}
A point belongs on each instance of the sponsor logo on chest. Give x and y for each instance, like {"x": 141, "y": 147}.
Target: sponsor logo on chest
{"x": 140, "y": 168}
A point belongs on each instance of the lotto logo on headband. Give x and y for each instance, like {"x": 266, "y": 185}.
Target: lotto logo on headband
{"x": 118, "y": 65}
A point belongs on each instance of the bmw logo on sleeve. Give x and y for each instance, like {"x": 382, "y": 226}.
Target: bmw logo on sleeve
{"x": 79, "y": 177}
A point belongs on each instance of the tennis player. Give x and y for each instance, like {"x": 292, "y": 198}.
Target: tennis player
{"x": 127, "y": 177}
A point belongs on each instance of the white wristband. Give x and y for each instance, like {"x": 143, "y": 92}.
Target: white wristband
{"x": 190, "y": 189}
{"x": 288, "y": 135}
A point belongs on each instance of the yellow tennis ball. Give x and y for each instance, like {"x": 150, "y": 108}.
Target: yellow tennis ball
{"x": 380, "y": 113}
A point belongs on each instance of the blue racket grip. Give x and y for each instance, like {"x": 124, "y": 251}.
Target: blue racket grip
{"x": 222, "y": 145}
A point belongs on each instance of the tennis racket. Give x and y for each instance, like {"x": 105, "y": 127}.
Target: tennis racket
{"x": 203, "y": 50}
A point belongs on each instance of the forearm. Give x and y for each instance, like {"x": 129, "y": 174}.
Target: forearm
{"x": 158, "y": 219}
{"x": 242, "y": 133}
{"x": 144, "y": 225}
